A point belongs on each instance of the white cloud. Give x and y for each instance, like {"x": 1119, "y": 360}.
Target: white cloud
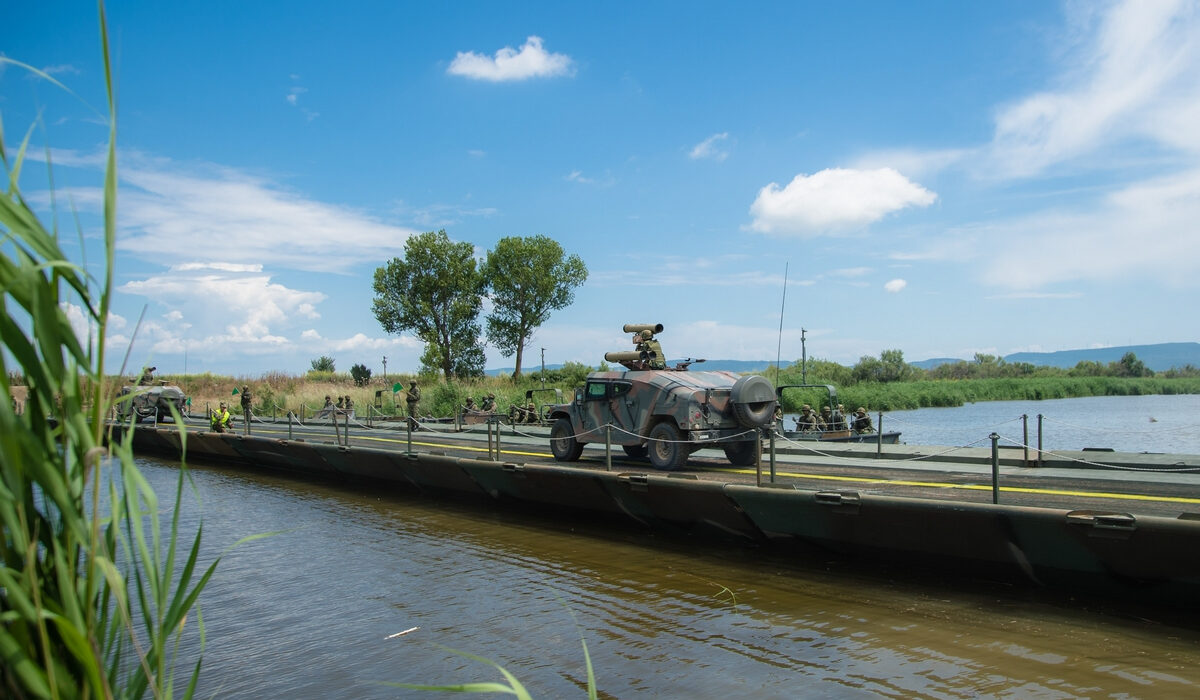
{"x": 238, "y": 305}
{"x": 894, "y": 286}
{"x": 532, "y": 61}
{"x": 710, "y": 148}
{"x": 834, "y": 199}
{"x": 1150, "y": 228}
{"x": 850, "y": 272}
{"x": 1138, "y": 76}
{"x": 219, "y": 215}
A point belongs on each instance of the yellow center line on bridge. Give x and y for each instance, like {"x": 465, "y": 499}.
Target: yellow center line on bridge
{"x": 848, "y": 479}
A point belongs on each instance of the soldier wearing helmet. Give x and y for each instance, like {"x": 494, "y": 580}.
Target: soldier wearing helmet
{"x": 862, "y": 421}
{"x": 646, "y": 343}
{"x": 220, "y": 419}
{"x": 807, "y": 420}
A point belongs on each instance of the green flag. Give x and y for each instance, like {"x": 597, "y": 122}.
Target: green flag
{"x": 235, "y": 391}
{"x": 396, "y": 387}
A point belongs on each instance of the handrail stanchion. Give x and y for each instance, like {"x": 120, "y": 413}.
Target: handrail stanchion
{"x": 1040, "y": 463}
{"x": 758, "y": 467}
{"x": 497, "y": 443}
{"x": 489, "y": 432}
{"x": 995, "y": 467}
{"x": 337, "y": 437}
{"x": 290, "y": 414}
{"x": 1025, "y": 437}
{"x": 608, "y": 447}
{"x": 408, "y": 425}
{"x": 879, "y": 436}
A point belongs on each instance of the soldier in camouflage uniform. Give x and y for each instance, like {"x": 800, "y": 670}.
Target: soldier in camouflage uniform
{"x": 645, "y": 342}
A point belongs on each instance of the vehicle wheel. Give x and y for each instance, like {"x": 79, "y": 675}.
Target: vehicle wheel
{"x": 753, "y": 400}
{"x": 745, "y": 453}
{"x": 563, "y": 443}
{"x": 667, "y": 451}
{"x": 635, "y": 451}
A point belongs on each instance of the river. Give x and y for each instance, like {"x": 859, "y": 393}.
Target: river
{"x": 361, "y": 587}
{"x": 1155, "y": 423}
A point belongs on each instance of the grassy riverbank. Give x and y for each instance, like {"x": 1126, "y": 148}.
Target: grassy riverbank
{"x": 306, "y": 393}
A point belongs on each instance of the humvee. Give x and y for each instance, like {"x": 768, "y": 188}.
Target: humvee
{"x": 665, "y": 414}
{"x": 150, "y": 401}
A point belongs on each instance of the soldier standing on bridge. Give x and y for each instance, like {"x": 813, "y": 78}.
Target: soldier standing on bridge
{"x": 413, "y": 400}
{"x": 246, "y": 408}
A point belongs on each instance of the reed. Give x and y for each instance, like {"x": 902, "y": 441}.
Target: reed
{"x": 94, "y": 591}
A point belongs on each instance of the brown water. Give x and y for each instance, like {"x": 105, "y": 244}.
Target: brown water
{"x": 310, "y": 612}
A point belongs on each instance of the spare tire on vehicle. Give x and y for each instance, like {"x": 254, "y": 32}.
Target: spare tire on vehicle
{"x": 753, "y": 400}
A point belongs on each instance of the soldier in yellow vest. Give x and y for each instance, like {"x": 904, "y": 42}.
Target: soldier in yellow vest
{"x": 220, "y": 419}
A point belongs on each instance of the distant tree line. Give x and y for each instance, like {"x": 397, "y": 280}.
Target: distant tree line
{"x": 891, "y": 367}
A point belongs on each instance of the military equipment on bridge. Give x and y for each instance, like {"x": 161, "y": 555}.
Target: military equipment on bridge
{"x": 144, "y": 402}
{"x": 639, "y": 327}
{"x": 665, "y": 414}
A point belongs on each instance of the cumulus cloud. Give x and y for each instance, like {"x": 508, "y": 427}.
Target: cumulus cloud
{"x": 710, "y": 148}
{"x": 834, "y": 199}
{"x": 531, "y": 61}
{"x": 894, "y": 286}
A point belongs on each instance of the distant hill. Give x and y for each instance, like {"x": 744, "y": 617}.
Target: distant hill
{"x": 935, "y": 362}
{"x": 726, "y": 365}
{"x": 1158, "y": 357}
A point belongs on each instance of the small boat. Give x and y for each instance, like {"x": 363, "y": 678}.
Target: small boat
{"x": 842, "y": 435}
{"x": 889, "y": 438}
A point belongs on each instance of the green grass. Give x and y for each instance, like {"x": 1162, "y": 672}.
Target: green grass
{"x": 95, "y": 593}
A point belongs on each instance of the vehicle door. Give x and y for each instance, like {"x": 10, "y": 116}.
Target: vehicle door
{"x": 595, "y": 413}
{"x": 624, "y": 413}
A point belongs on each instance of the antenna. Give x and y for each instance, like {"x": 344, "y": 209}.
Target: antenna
{"x": 779, "y": 343}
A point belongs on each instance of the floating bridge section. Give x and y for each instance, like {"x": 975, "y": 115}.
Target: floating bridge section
{"x": 1153, "y": 560}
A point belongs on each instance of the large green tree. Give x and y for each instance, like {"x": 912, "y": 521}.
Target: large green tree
{"x": 436, "y": 292}
{"x": 529, "y": 278}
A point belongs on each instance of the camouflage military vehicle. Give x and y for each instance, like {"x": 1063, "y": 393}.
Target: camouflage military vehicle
{"x": 150, "y": 401}
{"x": 665, "y": 414}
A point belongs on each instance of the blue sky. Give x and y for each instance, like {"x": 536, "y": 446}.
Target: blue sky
{"x": 942, "y": 178}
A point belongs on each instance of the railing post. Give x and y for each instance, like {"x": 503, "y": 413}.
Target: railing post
{"x": 608, "y": 447}
{"x": 1040, "y": 463}
{"x": 879, "y": 436}
{"x": 1025, "y": 437}
{"x": 408, "y": 426}
{"x": 497, "y": 443}
{"x": 772, "y": 458}
{"x": 995, "y": 467}
{"x": 290, "y": 414}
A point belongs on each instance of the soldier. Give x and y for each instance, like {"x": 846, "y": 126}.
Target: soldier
{"x": 531, "y": 415}
{"x": 349, "y": 404}
{"x": 413, "y": 400}
{"x": 827, "y": 418}
{"x": 807, "y": 420}
{"x": 246, "y": 408}
{"x": 147, "y": 376}
{"x": 646, "y": 342}
{"x": 862, "y": 422}
{"x": 469, "y": 406}
{"x": 839, "y": 418}
{"x": 489, "y": 403}
{"x": 220, "y": 419}
{"x": 341, "y": 402}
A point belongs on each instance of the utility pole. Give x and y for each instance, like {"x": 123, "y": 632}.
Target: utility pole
{"x": 803, "y": 359}
{"x": 385, "y": 369}
{"x": 543, "y": 368}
